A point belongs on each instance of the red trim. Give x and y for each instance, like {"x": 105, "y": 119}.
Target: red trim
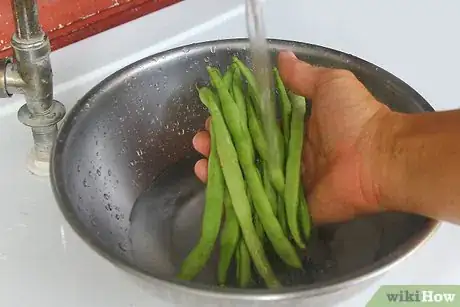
{"x": 100, "y": 21}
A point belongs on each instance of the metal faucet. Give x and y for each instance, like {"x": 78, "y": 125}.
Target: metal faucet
{"x": 29, "y": 73}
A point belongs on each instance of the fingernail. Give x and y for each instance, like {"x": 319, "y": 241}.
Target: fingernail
{"x": 207, "y": 123}
{"x": 194, "y": 139}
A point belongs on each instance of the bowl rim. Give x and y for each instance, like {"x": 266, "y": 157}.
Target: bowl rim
{"x": 320, "y": 288}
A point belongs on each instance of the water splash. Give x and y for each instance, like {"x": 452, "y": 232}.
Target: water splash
{"x": 262, "y": 70}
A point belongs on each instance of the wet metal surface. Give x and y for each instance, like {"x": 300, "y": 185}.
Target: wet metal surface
{"x": 116, "y": 175}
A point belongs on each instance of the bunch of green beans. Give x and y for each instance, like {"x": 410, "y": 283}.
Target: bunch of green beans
{"x": 251, "y": 200}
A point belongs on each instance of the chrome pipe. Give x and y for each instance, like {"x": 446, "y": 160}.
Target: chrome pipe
{"x": 30, "y": 73}
{"x": 25, "y": 14}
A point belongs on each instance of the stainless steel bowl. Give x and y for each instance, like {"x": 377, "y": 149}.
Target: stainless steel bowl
{"x": 122, "y": 174}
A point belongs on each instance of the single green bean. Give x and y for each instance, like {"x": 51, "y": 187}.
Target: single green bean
{"x": 252, "y": 83}
{"x": 261, "y": 146}
{"x": 238, "y": 262}
{"x": 236, "y": 186}
{"x": 269, "y": 188}
{"x": 257, "y": 224}
{"x": 281, "y": 149}
{"x": 305, "y": 219}
{"x": 220, "y": 74}
{"x": 244, "y": 276}
{"x": 212, "y": 214}
{"x": 228, "y": 79}
{"x": 257, "y": 134}
{"x": 252, "y": 96}
{"x": 238, "y": 95}
{"x": 282, "y": 214}
{"x": 255, "y": 94}
{"x": 229, "y": 107}
{"x": 229, "y": 239}
{"x": 286, "y": 108}
{"x": 245, "y": 152}
{"x": 291, "y": 194}
{"x": 259, "y": 227}
{"x": 270, "y": 127}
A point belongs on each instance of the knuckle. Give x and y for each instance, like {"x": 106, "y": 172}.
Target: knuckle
{"x": 330, "y": 76}
{"x": 334, "y": 74}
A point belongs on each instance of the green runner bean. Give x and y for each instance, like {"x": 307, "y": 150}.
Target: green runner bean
{"x": 244, "y": 267}
{"x": 256, "y": 132}
{"x": 244, "y": 149}
{"x": 275, "y": 157}
{"x": 229, "y": 239}
{"x": 271, "y": 194}
{"x": 286, "y": 108}
{"x": 282, "y": 214}
{"x": 213, "y": 209}
{"x": 291, "y": 194}
{"x": 228, "y": 79}
{"x": 236, "y": 187}
{"x": 238, "y": 95}
{"x": 305, "y": 219}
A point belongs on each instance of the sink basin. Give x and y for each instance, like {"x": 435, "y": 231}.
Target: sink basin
{"x": 122, "y": 174}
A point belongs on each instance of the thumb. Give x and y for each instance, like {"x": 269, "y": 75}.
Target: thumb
{"x": 300, "y": 77}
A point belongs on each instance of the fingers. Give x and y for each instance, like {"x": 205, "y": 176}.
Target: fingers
{"x": 309, "y": 81}
{"x": 201, "y": 170}
{"x": 202, "y": 143}
{"x": 300, "y": 77}
{"x": 202, "y": 140}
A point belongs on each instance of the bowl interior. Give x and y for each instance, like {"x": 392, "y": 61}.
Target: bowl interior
{"x": 122, "y": 169}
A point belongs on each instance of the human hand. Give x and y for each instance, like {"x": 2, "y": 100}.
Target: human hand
{"x": 343, "y": 137}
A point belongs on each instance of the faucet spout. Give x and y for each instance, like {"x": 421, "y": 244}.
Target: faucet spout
{"x": 30, "y": 73}
{"x": 26, "y": 19}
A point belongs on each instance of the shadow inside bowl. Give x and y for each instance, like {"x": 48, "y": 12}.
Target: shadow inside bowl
{"x": 166, "y": 224}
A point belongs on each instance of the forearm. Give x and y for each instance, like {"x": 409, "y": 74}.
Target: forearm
{"x": 420, "y": 172}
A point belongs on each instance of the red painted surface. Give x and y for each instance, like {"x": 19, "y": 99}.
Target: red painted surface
{"x": 68, "y": 21}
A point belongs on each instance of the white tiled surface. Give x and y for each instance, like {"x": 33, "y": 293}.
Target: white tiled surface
{"x": 44, "y": 264}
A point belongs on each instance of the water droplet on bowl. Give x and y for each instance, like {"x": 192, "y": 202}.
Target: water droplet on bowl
{"x": 123, "y": 246}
